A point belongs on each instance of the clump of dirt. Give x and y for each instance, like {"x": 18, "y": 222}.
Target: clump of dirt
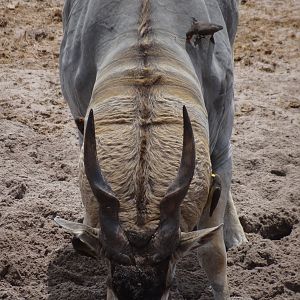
{"x": 39, "y": 154}
{"x": 273, "y": 225}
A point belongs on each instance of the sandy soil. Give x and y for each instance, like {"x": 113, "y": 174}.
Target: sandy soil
{"x": 38, "y": 159}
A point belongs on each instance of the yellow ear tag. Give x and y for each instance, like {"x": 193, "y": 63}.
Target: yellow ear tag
{"x": 214, "y": 193}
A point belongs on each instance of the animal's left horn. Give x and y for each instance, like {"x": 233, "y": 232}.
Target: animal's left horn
{"x": 109, "y": 204}
{"x": 169, "y": 206}
{"x": 167, "y": 236}
{"x": 112, "y": 236}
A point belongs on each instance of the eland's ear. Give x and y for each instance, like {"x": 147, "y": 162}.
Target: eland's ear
{"x": 85, "y": 238}
{"x": 195, "y": 239}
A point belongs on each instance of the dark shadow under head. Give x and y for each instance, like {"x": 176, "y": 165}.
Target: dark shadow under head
{"x": 76, "y": 277}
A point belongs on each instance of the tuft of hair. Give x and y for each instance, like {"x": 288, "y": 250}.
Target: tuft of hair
{"x": 144, "y": 21}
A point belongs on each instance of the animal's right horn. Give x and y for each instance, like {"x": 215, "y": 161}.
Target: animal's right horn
{"x": 112, "y": 237}
{"x": 168, "y": 232}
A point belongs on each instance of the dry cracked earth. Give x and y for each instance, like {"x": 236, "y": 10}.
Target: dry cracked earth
{"x": 39, "y": 153}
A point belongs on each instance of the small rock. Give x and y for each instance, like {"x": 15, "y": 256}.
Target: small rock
{"x": 3, "y": 22}
{"x": 33, "y": 154}
{"x": 57, "y": 15}
{"x": 294, "y": 104}
{"x": 281, "y": 173}
{"x": 268, "y": 69}
{"x": 12, "y": 6}
{"x": 247, "y": 62}
{"x": 4, "y": 270}
{"x": 40, "y": 34}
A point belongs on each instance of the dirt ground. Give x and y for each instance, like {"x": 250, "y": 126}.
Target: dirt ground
{"x": 39, "y": 153}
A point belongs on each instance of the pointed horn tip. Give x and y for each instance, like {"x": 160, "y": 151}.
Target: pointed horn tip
{"x": 58, "y": 220}
{"x": 89, "y": 125}
{"x": 218, "y": 227}
{"x": 186, "y": 118}
{"x": 90, "y": 120}
{"x": 187, "y": 127}
{"x": 212, "y": 230}
{"x": 184, "y": 111}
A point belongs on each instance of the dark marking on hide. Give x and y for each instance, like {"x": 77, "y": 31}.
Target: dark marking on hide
{"x": 144, "y": 31}
{"x": 80, "y": 124}
{"x": 144, "y": 107}
{"x": 144, "y": 21}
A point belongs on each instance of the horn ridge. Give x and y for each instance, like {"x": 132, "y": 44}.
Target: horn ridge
{"x": 112, "y": 236}
{"x": 91, "y": 163}
{"x": 100, "y": 188}
{"x": 179, "y": 187}
{"x": 167, "y": 235}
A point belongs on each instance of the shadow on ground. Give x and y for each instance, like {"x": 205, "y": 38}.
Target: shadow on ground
{"x": 75, "y": 277}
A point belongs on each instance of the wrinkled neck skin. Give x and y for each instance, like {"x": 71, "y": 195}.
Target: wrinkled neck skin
{"x": 138, "y": 125}
{"x": 149, "y": 67}
{"x": 148, "y": 56}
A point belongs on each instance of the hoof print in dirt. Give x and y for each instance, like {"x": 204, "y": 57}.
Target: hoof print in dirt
{"x": 3, "y": 22}
{"x": 273, "y": 226}
{"x": 4, "y": 270}
{"x": 17, "y": 190}
{"x": 277, "y": 225}
{"x": 277, "y": 230}
{"x": 10, "y": 273}
{"x": 292, "y": 284}
{"x": 260, "y": 258}
{"x": 253, "y": 255}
